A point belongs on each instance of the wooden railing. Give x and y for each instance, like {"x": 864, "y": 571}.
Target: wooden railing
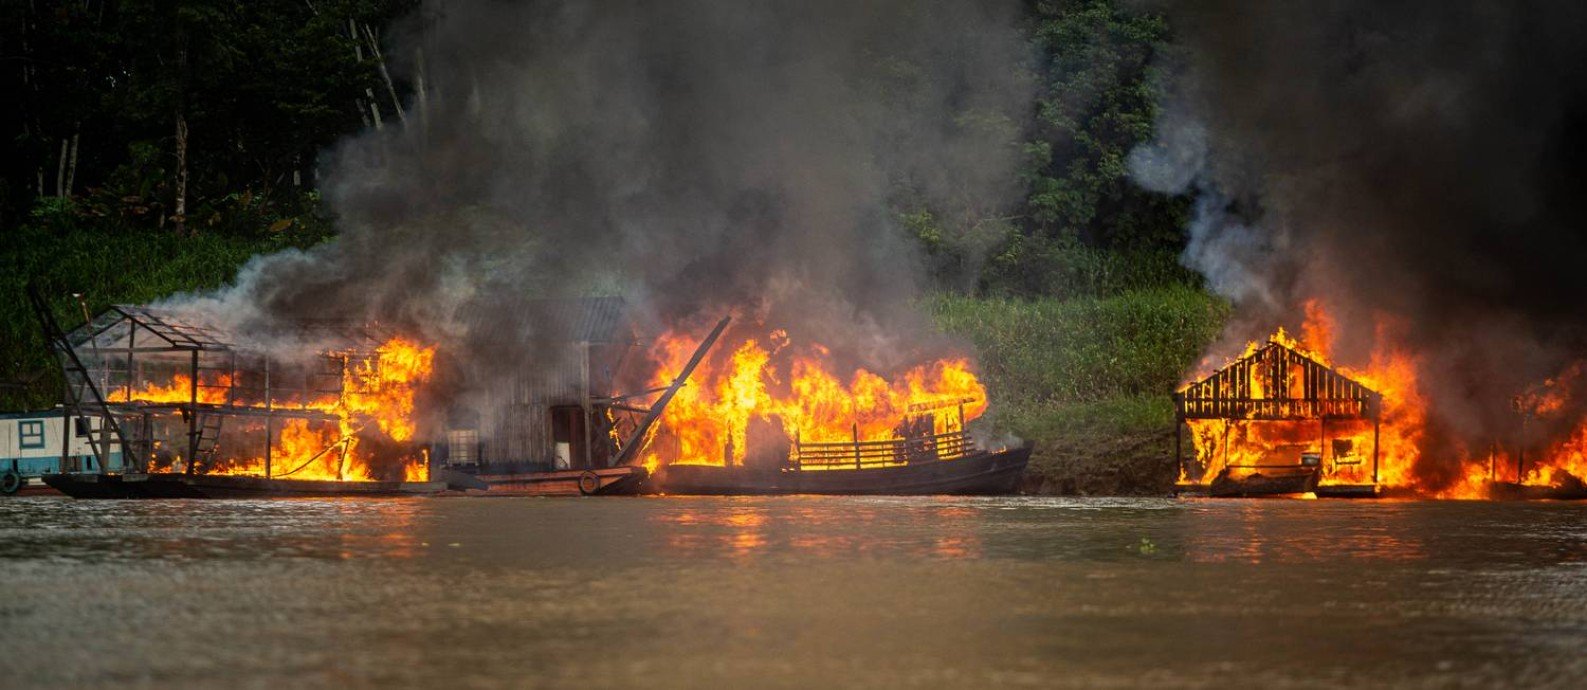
{"x": 864, "y": 454}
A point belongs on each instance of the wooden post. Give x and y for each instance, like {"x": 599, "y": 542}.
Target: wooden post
{"x": 1226, "y": 424}
{"x": 1377, "y": 424}
{"x": 269, "y": 419}
{"x": 856, "y": 445}
{"x": 1520, "y": 456}
{"x": 66, "y": 427}
{"x": 584, "y": 400}
{"x": 1179, "y": 452}
{"x": 1322, "y": 441}
{"x": 192, "y": 415}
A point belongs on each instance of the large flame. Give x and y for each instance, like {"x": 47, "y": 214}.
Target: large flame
{"x": 356, "y": 430}
{"x": 1400, "y": 440}
{"x": 795, "y": 387}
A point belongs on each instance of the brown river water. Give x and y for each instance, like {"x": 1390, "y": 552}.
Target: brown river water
{"x": 796, "y": 592}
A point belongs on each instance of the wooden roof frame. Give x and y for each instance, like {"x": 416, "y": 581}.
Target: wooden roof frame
{"x": 1228, "y": 392}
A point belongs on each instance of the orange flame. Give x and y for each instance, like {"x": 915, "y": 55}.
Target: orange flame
{"x": 795, "y": 389}
{"x": 1346, "y": 446}
{"x": 375, "y": 407}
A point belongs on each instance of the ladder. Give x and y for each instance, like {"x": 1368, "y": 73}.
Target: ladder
{"x": 208, "y": 439}
{"x": 81, "y": 395}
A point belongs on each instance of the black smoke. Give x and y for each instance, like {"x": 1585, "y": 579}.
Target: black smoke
{"x": 1419, "y": 167}
{"x": 695, "y": 157}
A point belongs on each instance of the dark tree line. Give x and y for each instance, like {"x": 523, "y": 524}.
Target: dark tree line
{"x": 206, "y": 116}
{"x": 188, "y": 115}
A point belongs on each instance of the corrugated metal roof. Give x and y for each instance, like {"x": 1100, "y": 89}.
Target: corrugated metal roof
{"x": 567, "y": 320}
{"x": 587, "y": 319}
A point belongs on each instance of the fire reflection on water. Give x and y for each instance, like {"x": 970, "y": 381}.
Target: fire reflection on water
{"x": 1253, "y": 533}
{"x": 744, "y": 532}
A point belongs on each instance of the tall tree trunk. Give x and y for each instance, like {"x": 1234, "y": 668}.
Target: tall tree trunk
{"x": 60, "y": 169}
{"x": 71, "y": 165}
{"x": 180, "y": 217}
{"x": 358, "y": 53}
{"x": 385, "y": 75}
{"x": 419, "y": 90}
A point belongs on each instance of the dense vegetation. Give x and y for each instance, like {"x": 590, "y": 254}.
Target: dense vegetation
{"x": 154, "y": 146}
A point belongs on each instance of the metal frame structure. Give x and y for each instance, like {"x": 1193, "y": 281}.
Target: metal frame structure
{"x": 1277, "y": 383}
{"x": 109, "y": 359}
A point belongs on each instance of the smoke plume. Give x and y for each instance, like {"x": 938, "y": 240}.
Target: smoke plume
{"x": 1418, "y": 167}
{"x": 692, "y": 156}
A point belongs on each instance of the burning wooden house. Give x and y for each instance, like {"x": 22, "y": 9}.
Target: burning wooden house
{"x": 182, "y": 409}
{"x": 1277, "y": 421}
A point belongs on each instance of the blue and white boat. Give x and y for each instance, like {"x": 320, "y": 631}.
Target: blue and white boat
{"x": 30, "y": 447}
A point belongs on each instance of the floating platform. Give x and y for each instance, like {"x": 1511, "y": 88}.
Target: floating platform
{"x": 1349, "y": 491}
{"x": 1511, "y": 491}
{"x": 168, "y": 485}
{"x": 985, "y": 473}
{"x": 607, "y": 481}
{"x": 1284, "y": 482}
{"x": 1190, "y": 489}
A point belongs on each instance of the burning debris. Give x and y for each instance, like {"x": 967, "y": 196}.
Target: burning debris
{"x": 180, "y": 397}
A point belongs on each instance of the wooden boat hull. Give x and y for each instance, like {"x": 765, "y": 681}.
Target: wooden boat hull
{"x": 32, "y": 487}
{"x": 606, "y": 481}
{"x": 1258, "y": 484}
{"x": 988, "y": 473}
{"x": 224, "y": 486}
{"x": 1349, "y": 491}
{"x": 1511, "y": 491}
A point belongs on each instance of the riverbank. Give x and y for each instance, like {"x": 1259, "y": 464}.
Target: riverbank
{"x": 1088, "y": 380}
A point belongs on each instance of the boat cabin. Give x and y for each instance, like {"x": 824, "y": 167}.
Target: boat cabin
{"x": 31, "y": 446}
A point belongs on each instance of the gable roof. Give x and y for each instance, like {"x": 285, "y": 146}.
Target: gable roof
{"x": 1276, "y": 382}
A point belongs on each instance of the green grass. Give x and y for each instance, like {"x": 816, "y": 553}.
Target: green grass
{"x": 1085, "y": 350}
{"x": 1088, "y": 380}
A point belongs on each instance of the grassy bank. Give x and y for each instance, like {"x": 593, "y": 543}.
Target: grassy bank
{"x": 1088, "y": 379}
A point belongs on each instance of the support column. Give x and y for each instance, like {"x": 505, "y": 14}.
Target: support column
{"x": 584, "y": 402}
{"x": 1377, "y": 425}
{"x": 269, "y": 420}
{"x": 192, "y": 415}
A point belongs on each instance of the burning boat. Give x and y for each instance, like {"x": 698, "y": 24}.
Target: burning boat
{"x": 171, "y": 408}
{"x": 762, "y": 416}
{"x": 1277, "y": 421}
